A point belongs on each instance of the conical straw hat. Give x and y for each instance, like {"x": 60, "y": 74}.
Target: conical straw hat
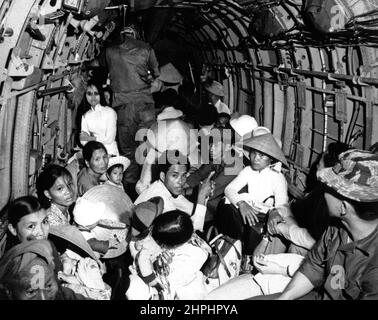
{"x": 168, "y": 73}
{"x": 266, "y": 143}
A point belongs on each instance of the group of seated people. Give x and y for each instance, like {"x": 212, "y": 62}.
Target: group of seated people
{"x": 81, "y": 236}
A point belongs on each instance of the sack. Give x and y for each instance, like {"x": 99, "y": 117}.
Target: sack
{"x": 224, "y": 263}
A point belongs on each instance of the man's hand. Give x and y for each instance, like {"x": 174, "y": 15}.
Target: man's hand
{"x": 206, "y": 189}
{"x": 265, "y": 266}
{"x": 85, "y": 136}
{"x": 282, "y": 229}
{"x": 249, "y": 214}
{"x": 273, "y": 219}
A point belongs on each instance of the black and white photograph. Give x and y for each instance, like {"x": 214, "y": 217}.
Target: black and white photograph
{"x": 189, "y": 156}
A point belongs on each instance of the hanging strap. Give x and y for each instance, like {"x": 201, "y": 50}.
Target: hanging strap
{"x": 217, "y": 251}
{"x": 223, "y": 262}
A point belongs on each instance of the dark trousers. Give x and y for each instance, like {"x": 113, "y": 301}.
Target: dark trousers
{"x": 229, "y": 221}
{"x": 131, "y": 117}
{"x": 117, "y": 275}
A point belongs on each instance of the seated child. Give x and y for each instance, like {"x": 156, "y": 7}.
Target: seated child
{"x": 168, "y": 262}
{"x": 116, "y": 167}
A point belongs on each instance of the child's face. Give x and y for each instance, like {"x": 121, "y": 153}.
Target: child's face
{"x": 116, "y": 175}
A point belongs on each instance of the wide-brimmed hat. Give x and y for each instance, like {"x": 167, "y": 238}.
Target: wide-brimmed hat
{"x": 109, "y": 207}
{"x": 262, "y": 130}
{"x": 168, "y": 73}
{"x": 258, "y": 131}
{"x": 355, "y": 176}
{"x": 119, "y": 160}
{"x": 172, "y": 134}
{"x": 103, "y": 202}
{"x": 145, "y": 213}
{"x": 266, "y": 144}
{"x": 215, "y": 88}
{"x": 169, "y": 113}
{"x": 72, "y": 236}
{"x": 243, "y": 124}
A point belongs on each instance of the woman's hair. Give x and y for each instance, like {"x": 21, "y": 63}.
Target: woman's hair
{"x": 172, "y": 229}
{"x": 166, "y": 160}
{"x": 100, "y": 91}
{"x": 21, "y": 207}
{"x": 47, "y": 179}
{"x": 85, "y": 106}
{"x": 90, "y": 147}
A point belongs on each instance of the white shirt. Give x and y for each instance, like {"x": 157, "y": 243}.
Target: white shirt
{"x": 185, "y": 277}
{"x": 222, "y": 107}
{"x": 261, "y": 185}
{"x": 186, "y": 281}
{"x": 158, "y": 189}
{"x": 111, "y": 183}
{"x": 145, "y": 177}
{"x": 102, "y": 121}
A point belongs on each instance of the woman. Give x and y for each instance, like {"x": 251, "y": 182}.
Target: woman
{"x": 96, "y": 161}
{"x": 28, "y": 221}
{"x": 56, "y": 191}
{"x": 99, "y": 123}
{"x": 267, "y": 189}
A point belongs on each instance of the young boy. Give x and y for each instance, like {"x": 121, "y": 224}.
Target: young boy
{"x": 116, "y": 167}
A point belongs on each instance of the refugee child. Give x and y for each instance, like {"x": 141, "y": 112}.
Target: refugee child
{"x": 168, "y": 263}
{"x": 116, "y": 167}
